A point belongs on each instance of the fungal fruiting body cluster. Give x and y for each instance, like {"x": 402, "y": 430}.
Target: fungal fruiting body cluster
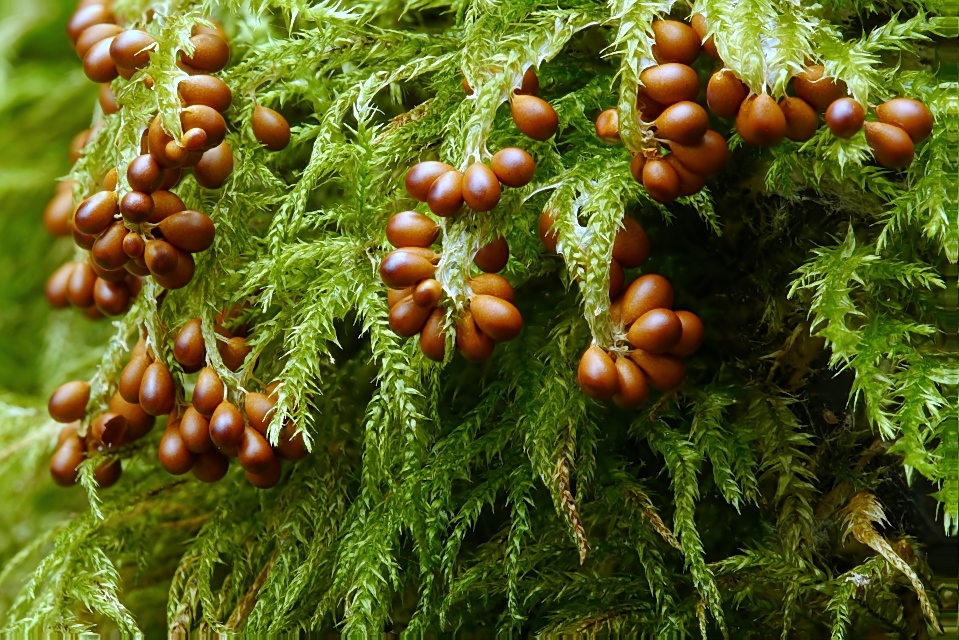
{"x": 666, "y": 103}
{"x": 138, "y": 227}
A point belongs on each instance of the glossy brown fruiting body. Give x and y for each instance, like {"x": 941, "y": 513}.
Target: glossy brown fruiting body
{"x": 234, "y": 352}
{"x": 760, "y": 121}
{"x": 692, "y": 335}
{"x": 157, "y": 390}
{"x": 471, "y": 342}
{"x": 66, "y": 460}
{"x": 493, "y": 285}
{"x": 226, "y": 427}
{"x": 845, "y": 117}
{"x": 401, "y": 269}
{"x": 214, "y": 167}
{"x": 94, "y": 34}
{"x": 513, "y": 166}
{"x": 706, "y": 157}
{"x": 131, "y": 49}
{"x": 433, "y": 338}
{"x": 144, "y": 174}
{"x": 663, "y": 371}
{"x": 259, "y": 410}
{"x": 107, "y": 251}
{"x": 633, "y": 389}
{"x": 111, "y": 298}
{"x": 132, "y": 376}
{"x": 206, "y": 90}
{"x": 411, "y": 229}
{"x": 190, "y": 231}
{"x": 68, "y": 402}
{"x": 892, "y": 147}
{"x": 607, "y": 126}
{"x": 670, "y": 83}
{"x": 255, "y": 453}
{"x": 420, "y": 178}
{"x": 427, "y": 293}
{"x": 547, "y": 234}
{"x": 195, "y": 431}
{"x": 684, "y": 122}
{"x": 57, "y": 286}
{"x": 270, "y": 128}
{"x": 534, "y": 117}
{"x": 173, "y": 453}
{"x": 661, "y": 180}
{"x": 95, "y": 214}
{"x": 497, "y": 318}
{"x": 210, "y": 466}
{"x": 597, "y": 375}
{"x": 493, "y": 257}
{"x": 689, "y": 181}
{"x": 817, "y": 90}
{"x": 631, "y": 246}
{"x": 211, "y": 53}
{"x": 408, "y": 318}
{"x": 801, "y": 119}
{"x": 208, "y": 392}
{"x": 97, "y": 64}
{"x": 446, "y": 194}
{"x": 86, "y": 17}
{"x": 136, "y": 207}
{"x": 908, "y": 114}
{"x": 268, "y": 478}
{"x": 481, "y": 190}
{"x": 188, "y": 348}
{"x": 656, "y": 331}
{"x": 725, "y": 93}
{"x": 647, "y": 292}
{"x": 698, "y": 22}
{"x": 675, "y": 42}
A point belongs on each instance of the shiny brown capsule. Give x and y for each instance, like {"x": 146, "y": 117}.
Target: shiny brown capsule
{"x": 95, "y": 214}
{"x": 131, "y": 49}
{"x": 58, "y": 212}
{"x": 493, "y": 256}
{"x": 446, "y": 194}
{"x": 548, "y": 235}
{"x": 496, "y": 317}
{"x": 77, "y": 144}
{"x": 144, "y": 174}
{"x": 209, "y": 392}
{"x": 670, "y": 83}
{"x": 706, "y": 157}
{"x": 131, "y": 378}
{"x": 108, "y": 430}
{"x": 892, "y": 147}
{"x": 134, "y": 245}
{"x": 107, "y": 251}
{"x": 492, "y": 285}
{"x": 292, "y": 444}
{"x": 818, "y": 91}
{"x": 188, "y": 348}
{"x": 647, "y": 292}
{"x": 689, "y": 182}
{"x": 160, "y": 256}
{"x": 195, "y": 431}
{"x": 647, "y": 108}
{"x": 181, "y": 275}
{"x": 157, "y": 390}
{"x": 57, "y": 286}
{"x": 393, "y": 296}
{"x": 597, "y": 375}
{"x": 664, "y": 371}
{"x": 65, "y": 463}
{"x": 270, "y": 128}
{"x": 401, "y": 269}
{"x": 234, "y": 352}
{"x": 139, "y": 422}
{"x": 633, "y": 389}
{"x": 80, "y": 285}
{"x": 268, "y": 478}
{"x": 107, "y": 473}
{"x": 165, "y": 204}
{"x": 259, "y": 410}
{"x": 107, "y": 100}
{"x": 420, "y": 178}
{"x": 256, "y": 455}
{"x": 136, "y": 207}
{"x": 692, "y": 336}
{"x": 214, "y": 167}
{"x": 407, "y": 318}
{"x": 111, "y": 298}
{"x": 210, "y": 53}
{"x": 157, "y": 140}
{"x": 471, "y": 342}
{"x": 910, "y": 115}
{"x": 411, "y": 229}
{"x": 207, "y": 90}
{"x": 427, "y": 293}
{"x": 617, "y": 278}
{"x": 110, "y": 275}
{"x": 656, "y": 331}
{"x": 87, "y": 16}
{"x": 631, "y": 246}
{"x": 684, "y": 122}
{"x": 698, "y": 22}
{"x": 534, "y": 117}
{"x": 725, "y": 93}
{"x": 481, "y": 190}
{"x": 226, "y": 426}
{"x": 801, "y": 119}
{"x": 190, "y": 231}
{"x": 845, "y": 117}
{"x": 200, "y": 116}
{"x": 210, "y": 466}
{"x": 675, "y": 42}
{"x": 433, "y": 338}
{"x": 69, "y": 401}
{"x": 761, "y": 122}
{"x": 636, "y": 166}
{"x": 607, "y": 126}
{"x": 94, "y": 34}
{"x": 661, "y": 181}
{"x": 97, "y": 64}
{"x": 513, "y": 166}
{"x": 173, "y": 453}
